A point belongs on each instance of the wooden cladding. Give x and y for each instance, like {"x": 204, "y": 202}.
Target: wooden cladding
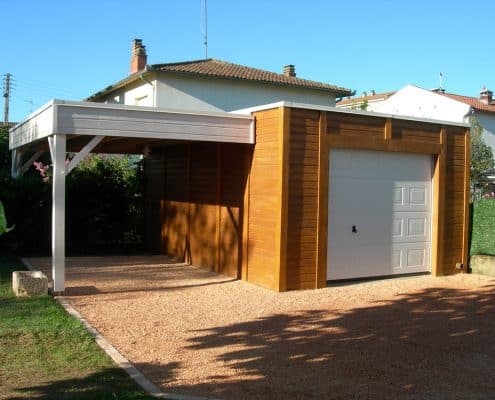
{"x": 202, "y": 207}
{"x": 265, "y": 195}
{"x": 261, "y": 213}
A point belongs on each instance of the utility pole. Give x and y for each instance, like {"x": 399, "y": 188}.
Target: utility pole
{"x": 6, "y": 95}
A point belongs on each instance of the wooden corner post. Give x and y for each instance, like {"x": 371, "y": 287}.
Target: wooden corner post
{"x": 467, "y": 188}
{"x": 322, "y": 227}
{"x": 438, "y": 217}
{"x": 280, "y": 281}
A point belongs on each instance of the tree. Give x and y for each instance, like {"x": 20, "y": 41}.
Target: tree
{"x": 481, "y": 155}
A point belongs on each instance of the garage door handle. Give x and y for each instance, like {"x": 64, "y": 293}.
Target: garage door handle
{"x": 354, "y": 229}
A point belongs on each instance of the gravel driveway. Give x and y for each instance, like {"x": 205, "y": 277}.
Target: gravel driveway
{"x": 197, "y": 333}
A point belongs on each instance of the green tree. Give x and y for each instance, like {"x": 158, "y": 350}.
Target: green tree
{"x": 481, "y": 155}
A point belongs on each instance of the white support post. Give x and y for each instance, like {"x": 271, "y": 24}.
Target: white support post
{"x": 84, "y": 152}
{"x": 15, "y": 170}
{"x": 58, "y": 150}
{"x": 30, "y": 162}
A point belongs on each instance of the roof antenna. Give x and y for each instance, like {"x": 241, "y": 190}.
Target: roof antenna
{"x": 205, "y": 26}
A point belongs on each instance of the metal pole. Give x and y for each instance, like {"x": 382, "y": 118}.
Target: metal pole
{"x": 6, "y": 95}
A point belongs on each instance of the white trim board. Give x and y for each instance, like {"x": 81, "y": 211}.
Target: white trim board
{"x": 250, "y": 110}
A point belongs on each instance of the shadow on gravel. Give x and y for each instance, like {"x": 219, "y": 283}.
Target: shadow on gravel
{"x": 434, "y": 344}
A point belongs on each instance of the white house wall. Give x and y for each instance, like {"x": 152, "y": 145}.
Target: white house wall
{"x": 487, "y": 121}
{"x": 416, "y": 102}
{"x": 139, "y": 94}
{"x": 188, "y": 93}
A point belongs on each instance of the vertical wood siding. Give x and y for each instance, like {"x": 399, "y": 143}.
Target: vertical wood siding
{"x": 153, "y": 192}
{"x": 203, "y": 205}
{"x": 175, "y": 203}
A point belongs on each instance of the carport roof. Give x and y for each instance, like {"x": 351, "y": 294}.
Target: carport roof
{"x": 76, "y": 119}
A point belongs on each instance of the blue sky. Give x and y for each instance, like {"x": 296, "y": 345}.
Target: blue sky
{"x": 70, "y": 49}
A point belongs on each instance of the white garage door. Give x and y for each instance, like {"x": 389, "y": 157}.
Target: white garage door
{"x": 379, "y": 220}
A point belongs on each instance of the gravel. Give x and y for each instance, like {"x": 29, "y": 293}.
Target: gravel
{"x": 193, "y": 332}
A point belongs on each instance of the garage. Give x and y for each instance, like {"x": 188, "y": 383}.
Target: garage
{"x": 379, "y": 214}
{"x": 286, "y": 197}
{"x": 323, "y": 195}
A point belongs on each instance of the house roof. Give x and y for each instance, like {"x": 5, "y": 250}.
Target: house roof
{"x": 225, "y": 70}
{"x": 474, "y": 102}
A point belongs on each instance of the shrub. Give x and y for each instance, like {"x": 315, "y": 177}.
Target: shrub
{"x": 104, "y": 210}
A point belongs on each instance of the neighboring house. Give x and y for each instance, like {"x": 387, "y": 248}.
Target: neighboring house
{"x": 363, "y": 102}
{"x": 434, "y": 104}
{"x": 212, "y": 85}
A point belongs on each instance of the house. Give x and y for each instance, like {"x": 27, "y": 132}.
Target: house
{"x": 364, "y": 101}
{"x": 211, "y": 85}
{"x": 285, "y": 195}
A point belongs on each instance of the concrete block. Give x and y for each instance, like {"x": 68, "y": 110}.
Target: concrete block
{"x": 484, "y": 265}
{"x": 29, "y": 283}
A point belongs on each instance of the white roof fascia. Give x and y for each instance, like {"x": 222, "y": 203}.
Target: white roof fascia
{"x": 98, "y": 119}
{"x": 345, "y": 111}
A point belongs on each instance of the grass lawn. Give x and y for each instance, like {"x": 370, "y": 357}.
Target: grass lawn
{"x": 47, "y": 354}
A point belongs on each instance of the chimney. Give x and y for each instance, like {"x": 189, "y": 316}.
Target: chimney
{"x": 138, "y": 58}
{"x": 486, "y": 95}
{"x": 290, "y": 70}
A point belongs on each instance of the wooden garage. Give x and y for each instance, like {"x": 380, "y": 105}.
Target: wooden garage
{"x": 269, "y": 213}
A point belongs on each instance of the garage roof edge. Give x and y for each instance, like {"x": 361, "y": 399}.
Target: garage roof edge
{"x": 345, "y": 111}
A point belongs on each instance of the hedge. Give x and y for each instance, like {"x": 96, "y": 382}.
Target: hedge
{"x": 483, "y": 227}
{"x": 104, "y": 212}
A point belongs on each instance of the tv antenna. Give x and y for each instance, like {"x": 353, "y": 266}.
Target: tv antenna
{"x": 205, "y": 26}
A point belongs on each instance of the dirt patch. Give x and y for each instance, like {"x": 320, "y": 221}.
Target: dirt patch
{"x": 197, "y": 333}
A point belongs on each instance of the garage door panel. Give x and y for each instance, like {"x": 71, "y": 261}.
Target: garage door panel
{"x": 414, "y": 226}
{"x": 387, "y": 198}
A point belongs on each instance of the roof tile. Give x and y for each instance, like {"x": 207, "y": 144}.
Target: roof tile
{"x": 474, "y": 102}
{"x": 223, "y": 69}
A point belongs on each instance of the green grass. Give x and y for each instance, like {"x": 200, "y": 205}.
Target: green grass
{"x": 47, "y": 354}
{"x": 483, "y": 223}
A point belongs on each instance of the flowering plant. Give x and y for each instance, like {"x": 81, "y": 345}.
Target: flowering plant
{"x": 44, "y": 170}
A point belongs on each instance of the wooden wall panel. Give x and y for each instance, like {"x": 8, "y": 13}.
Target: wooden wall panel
{"x": 175, "y": 229}
{"x": 355, "y": 125}
{"x": 411, "y": 131}
{"x": 454, "y": 206}
{"x": 175, "y": 206}
{"x": 153, "y": 194}
{"x": 264, "y": 198}
{"x": 303, "y": 199}
{"x": 204, "y": 202}
{"x": 234, "y": 177}
{"x": 202, "y": 207}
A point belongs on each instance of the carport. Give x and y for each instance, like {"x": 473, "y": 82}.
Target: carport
{"x": 62, "y": 127}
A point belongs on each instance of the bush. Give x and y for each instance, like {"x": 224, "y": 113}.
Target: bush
{"x": 104, "y": 211}
{"x": 483, "y": 227}
{"x": 27, "y": 205}
{"x": 105, "y": 205}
